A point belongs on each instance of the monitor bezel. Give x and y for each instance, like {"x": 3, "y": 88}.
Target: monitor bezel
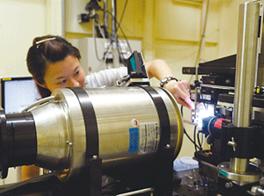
{"x": 4, "y": 80}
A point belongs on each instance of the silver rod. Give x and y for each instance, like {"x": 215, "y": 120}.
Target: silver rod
{"x": 239, "y": 165}
{"x": 114, "y": 18}
{"x": 105, "y": 14}
{"x": 260, "y": 190}
{"x": 146, "y": 190}
{"x": 246, "y": 62}
{"x": 260, "y": 71}
{"x": 115, "y": 46}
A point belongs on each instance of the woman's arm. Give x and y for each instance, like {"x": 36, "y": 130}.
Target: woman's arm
{"x": 180, "y": 89}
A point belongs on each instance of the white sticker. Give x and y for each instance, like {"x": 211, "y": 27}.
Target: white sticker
{"x": 134, "y": 122}
{"x": 149, "y": 137}
{"x": 206, "y": 97}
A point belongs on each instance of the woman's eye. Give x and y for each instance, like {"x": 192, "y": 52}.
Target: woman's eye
{"x": 77, "y": 72}
{"x": 62, "y": 82}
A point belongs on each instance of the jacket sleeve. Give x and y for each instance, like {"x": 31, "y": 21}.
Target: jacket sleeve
{"x": 107, "y": 77}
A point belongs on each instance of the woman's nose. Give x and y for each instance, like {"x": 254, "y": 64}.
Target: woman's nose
{"x": 74, "y": 83}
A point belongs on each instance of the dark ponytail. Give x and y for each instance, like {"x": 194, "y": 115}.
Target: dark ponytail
{"x": 45, "y": 50}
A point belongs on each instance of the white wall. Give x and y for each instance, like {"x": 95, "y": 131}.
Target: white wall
{"x": 72, "y": 9}
{"x": 228, "y": 25}
{"x": 20, "y": 22}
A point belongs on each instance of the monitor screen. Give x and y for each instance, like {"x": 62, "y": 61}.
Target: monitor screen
{"x": 17, "y": 93}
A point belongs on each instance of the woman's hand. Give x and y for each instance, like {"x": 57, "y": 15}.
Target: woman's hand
{"x": 159, "y": 69}
{"x": 181, "y": 92}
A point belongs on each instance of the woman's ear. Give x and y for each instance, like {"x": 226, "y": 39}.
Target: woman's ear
{"x": 39, "y": 84}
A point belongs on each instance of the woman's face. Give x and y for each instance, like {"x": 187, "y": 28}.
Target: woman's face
{"x": 64, "y": 73}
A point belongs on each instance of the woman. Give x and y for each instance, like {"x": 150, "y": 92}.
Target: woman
{"x": 55, "y": 63}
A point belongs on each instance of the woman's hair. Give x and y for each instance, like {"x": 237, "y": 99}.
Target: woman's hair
{"x": 45, "y": 50}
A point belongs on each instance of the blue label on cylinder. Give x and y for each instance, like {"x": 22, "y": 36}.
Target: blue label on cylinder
{"x": 133, "y": 139}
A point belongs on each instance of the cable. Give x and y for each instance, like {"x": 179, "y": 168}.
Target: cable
{"x": 119, "y": 49}
{"x": 122, "y": 15}
{"x": 100, "y": 29}
{"x": 202, "y": 38}
{"x": 107, "y": 51}
{"x": 194, "y": 138}
{"x": 198, "y": 139}
{"x": 95, "y": 23}
{"x": 182, "y": 110}
{"x": 117, "y": 38}
{"x": 129, "y": 47}
{"x": 184, "y": 131}
{"x": 111, "y": 42}
{"x": 193, "y": 141}
{"x": 103, "y": 59}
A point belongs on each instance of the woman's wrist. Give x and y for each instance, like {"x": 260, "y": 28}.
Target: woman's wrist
{"x": 166, "y": 80}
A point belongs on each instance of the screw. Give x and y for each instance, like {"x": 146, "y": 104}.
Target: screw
{"x": 229, "y": 185}
{"x": 69, "y": 143}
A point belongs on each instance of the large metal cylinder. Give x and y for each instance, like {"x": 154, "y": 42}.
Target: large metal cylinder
{"x": 123, "y": 123}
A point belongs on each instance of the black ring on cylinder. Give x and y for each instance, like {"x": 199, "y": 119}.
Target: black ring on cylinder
{"x": 4, "y": 148}
{"x": 163, "y": 116}
{"x": 91, "y": 129}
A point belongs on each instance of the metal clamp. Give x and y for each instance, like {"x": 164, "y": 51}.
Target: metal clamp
{"x": 37, "y": 103}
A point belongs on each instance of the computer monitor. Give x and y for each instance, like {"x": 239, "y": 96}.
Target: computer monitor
{"x": 17, "y": 93}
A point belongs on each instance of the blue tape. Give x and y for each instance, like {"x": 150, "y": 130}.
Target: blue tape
{"x": 133, "y": 139}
